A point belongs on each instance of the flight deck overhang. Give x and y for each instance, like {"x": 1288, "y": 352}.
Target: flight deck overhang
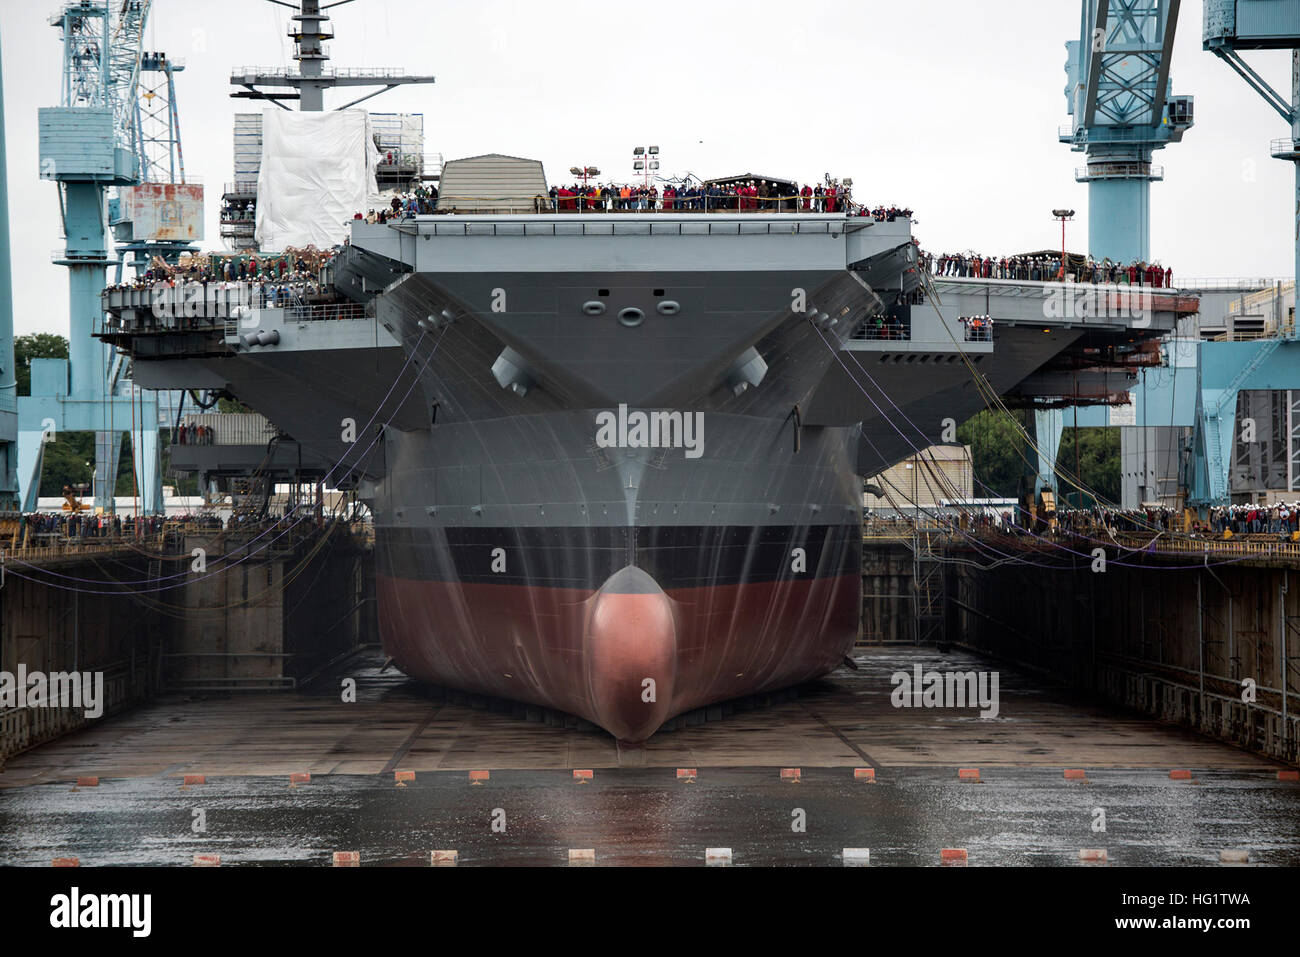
{"x": 648, "y": 242}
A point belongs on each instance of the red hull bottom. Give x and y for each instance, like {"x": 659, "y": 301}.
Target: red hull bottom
{"x": 627, "y": 657}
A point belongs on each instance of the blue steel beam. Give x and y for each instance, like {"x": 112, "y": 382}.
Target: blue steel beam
{"x": 1118, "y": 94}
{"x": 87, "y": 145}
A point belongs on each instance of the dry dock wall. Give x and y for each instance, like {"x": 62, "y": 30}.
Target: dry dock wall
{"x": 255, "y": 623}
{"x": 1181, "y": 644}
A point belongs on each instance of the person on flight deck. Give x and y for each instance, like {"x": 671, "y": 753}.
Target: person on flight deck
{"x": 763, "y": 195}
{"x": 806, "y": 193}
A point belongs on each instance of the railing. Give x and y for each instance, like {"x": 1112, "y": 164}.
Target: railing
{"x": 239, "y": 74}
{"x": 868, "y": 331}
{"x": 611, "y": 202}
{"x": 1285, "y": 148}
{"x": 241, "y": 188}
{"x": 1119, "y": 171}
{"x": 615, "y": 226}
{"x": 1225, "y": 284}
{"x": 329, "y": 311}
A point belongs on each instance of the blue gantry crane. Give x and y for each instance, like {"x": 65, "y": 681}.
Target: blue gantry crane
{"x": 1118, "y": 92}
{"x": 89, "y": 144}
{"x": 1225, "y": 369}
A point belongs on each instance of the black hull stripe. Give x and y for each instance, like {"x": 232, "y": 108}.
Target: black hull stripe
{"x": 676, "y": 556}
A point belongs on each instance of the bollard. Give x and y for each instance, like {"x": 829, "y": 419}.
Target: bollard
{"x": 717, "y": 856}
{"x": 857, "y": 856}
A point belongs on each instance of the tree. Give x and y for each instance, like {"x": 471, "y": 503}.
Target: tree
{"x": 40, "y": 345}
{"x": 1098, "y": 469}
{"x": 998, "y": 451}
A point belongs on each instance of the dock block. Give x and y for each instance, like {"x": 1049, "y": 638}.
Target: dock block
{"x": 791, "y": 774}
{"x": 864, "y": 774}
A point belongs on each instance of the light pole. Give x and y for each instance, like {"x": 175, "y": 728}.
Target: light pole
{"x": 1064, "y": 215}
{"x": 645, "y": 159}
{"x": 584, "y": 172}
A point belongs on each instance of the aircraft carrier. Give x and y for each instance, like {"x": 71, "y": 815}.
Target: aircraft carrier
{"x": 533, "y": 540}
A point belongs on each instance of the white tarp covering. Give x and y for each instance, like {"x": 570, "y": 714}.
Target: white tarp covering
{"x": 317, "y": 170}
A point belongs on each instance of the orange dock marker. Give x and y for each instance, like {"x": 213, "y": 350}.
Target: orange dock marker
{"x": 347, "y": 858}
{"x": 864, "y": 774}
{"x": 968, "y": 774}
{"x": 1075, "y": 774}
{"x": 791, "y": 774}
{"x": 478, "y": 777}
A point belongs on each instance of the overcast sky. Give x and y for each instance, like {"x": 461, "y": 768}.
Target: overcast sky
{"x": 946, "y": 106}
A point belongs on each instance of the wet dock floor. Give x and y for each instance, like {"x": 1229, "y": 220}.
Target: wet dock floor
{"x": 634, "y": 810}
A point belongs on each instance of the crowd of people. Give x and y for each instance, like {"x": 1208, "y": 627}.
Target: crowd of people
{"x": 257, "y": 281}
{"x": 42, "y": 528}
{"x": 191, "y": 433}
{"x": 1047, "y": 268}
{"x": 1279, "y": 519}
{"x": 752, "y": 195}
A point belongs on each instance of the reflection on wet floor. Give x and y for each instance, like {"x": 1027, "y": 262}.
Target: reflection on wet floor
{"x": 1016, "y": 816}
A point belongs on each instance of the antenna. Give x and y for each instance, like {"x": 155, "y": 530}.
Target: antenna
{"x": 307, "y": 84}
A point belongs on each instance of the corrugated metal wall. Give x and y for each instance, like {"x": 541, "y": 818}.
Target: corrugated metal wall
{"x": 491, "y": 183}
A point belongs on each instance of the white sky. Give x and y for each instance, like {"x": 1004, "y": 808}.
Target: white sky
{"x": 947, "y": 106}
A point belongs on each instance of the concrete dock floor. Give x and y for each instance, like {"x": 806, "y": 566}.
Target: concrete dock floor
{"x": 846, "y": 720}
